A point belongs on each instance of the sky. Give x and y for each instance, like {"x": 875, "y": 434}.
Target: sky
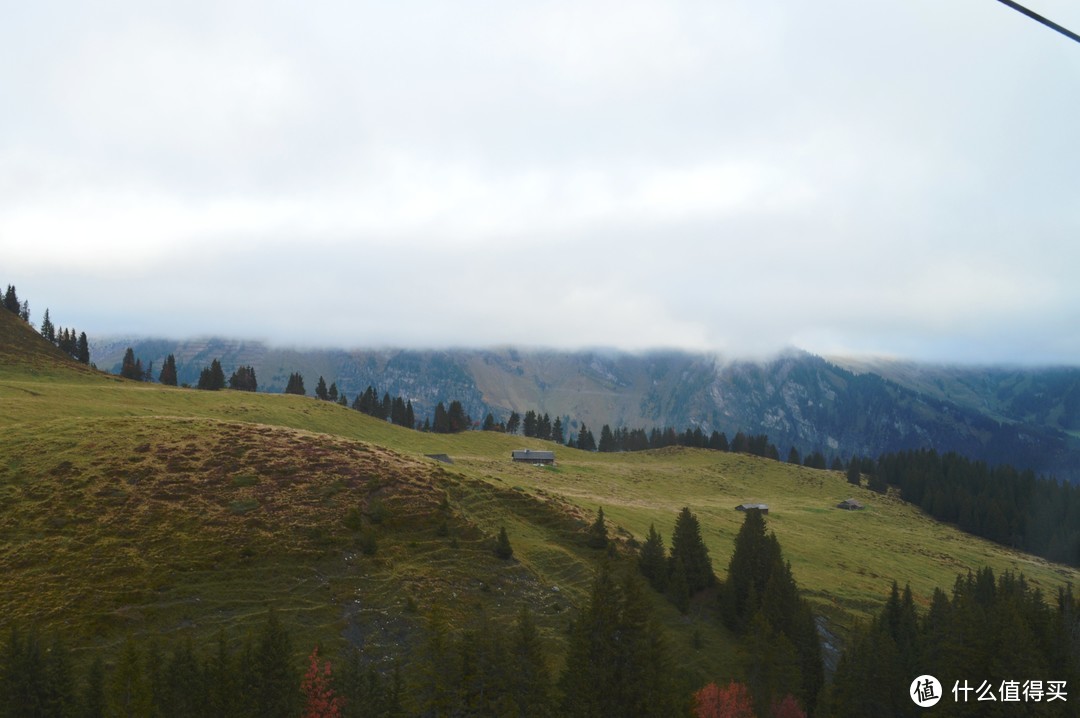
{"x": 890, "y": 178}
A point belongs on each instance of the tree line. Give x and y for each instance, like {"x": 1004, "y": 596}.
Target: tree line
{"x": 994, "y": 638}
{"x": 75, "y": 345}
{"x": 1010, "y": 507}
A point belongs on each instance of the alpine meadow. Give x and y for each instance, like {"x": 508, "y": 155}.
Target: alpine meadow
{"x": 180, "y": 551}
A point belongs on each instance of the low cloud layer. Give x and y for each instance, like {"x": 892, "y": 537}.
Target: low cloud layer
{"x": 737, "y": 176}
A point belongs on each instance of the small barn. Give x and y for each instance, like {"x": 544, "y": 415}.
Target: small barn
{"x": 528, "y": 456}
{"x": 763, "y": 508}
{"x": 850, "y": 505}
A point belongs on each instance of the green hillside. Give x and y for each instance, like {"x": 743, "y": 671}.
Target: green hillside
{"x": 139, "y": 509}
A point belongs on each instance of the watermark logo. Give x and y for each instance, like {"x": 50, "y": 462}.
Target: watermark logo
{"x": 925, "y": 691}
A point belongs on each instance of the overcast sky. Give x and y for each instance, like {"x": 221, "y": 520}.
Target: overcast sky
{"x": 889, "y": 177}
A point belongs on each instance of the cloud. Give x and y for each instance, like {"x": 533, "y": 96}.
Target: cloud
{"x": 734, "y": 176}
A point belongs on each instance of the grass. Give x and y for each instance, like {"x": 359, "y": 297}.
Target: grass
{"x": 134, "y": 508}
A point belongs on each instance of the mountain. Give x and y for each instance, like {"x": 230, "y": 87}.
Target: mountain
{"x": 1026, "y": 417}
{"x": 135, "y": 510}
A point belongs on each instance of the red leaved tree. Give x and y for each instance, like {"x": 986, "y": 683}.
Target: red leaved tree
{"x": 731, "y": 702}
{"x": 787, "y": 708}
{"x": 319, "y": 698}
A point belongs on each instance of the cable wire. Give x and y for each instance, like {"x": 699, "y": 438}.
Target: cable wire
{"x": 1039, "y": 18}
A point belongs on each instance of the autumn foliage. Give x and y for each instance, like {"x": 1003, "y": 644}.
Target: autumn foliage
{"x": 731, "y": 702}
{"x": 787, "y": 708}
{"x": 319, "y": 698}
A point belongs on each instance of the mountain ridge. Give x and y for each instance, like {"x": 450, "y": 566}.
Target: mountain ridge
{"x": 1027, "y": 417}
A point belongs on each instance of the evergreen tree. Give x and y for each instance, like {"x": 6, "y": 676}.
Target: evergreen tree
{"x": 212, "y": 378}
{"x": 760, "y": 591}
{"x": 529, "y": 423}
{"x": 332, "y": 392}
{"x": 221, "y": 673}
{"x": 275, "y": 689}
{"x": 585, "y": 440}
{"x": 678, "y": 588}
{"x": 513, "y": 423}
{"x": 11, "y": 299}
{"x": 529, "y": 680}
{"x": 93, "y": 694}
{"x": 185, "y": 689}
{"x": 24, "y": 313}
{"x": 793, "y": 456}
{"x": 48, "y": 331}
{"x": 441, "y": 423}
{"x": 243, "y": 379}
{"x": 853, "y": 473}
{"x": 295, "y": 384}
{"x": 598, "y": 537}
{"x": 689, "y": 550}
{"x": 321, "y": 391}
{"x": 557, "y": 433}
{"x": 129, "y": 693}
{"x": 607, "y": 439}
{"x": 489, "y": 422}
{"x": 130, "y": 367}
{"x": 456, "y": 417}
{"x": 617, "y": 663}
{"x": 503, "y": 549}
{"x": 82, "y": 349}
{"x": 652, "y": 560}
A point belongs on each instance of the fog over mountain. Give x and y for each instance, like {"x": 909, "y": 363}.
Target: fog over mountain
{"x": 736, "y": 177}
{"x": 1024, "y": 416}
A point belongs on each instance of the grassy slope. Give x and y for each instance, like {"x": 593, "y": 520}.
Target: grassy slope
{"x": 138, "y": 508}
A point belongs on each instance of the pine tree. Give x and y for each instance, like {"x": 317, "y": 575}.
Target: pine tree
{"x": 130, "y": 367}
{"x": 82, "y": 349}
{"x": 321, "y": 391}
{"x": 585, "y": 440}
{"x": 853, "y": 474}
{"x": 93, "y": 694}
{"x": 332, "y": 392}
{"x": 24, "y": 313}
{"x": 529, "y": 680}
{"x": 598, "y": 537}
{"x": 617, "y": 663}
{"x": 243, "y": 379}
{"x": 457, "y": 418}
{"x": 503, "y": 549}
{"x": 652, "y": 561}
{"x": 212, "y": 378}
{"x": 607, "y": 439}
{"x": 168, "y": 371}
{"x": 678, "y": 588}
{"x": 185, "y": 688}
{"x": 689, "y": 550}
{"x": 557, "y": 433}
{"x": 129, "y": 693}
{"x": 48, "y": 331}
{"x": 295, "y": 384}
{"x": 513, "y": 423}
{"x": 275, "y": 691}
{"x": 11, "y": 299}
{"x": 441, "y": 423}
